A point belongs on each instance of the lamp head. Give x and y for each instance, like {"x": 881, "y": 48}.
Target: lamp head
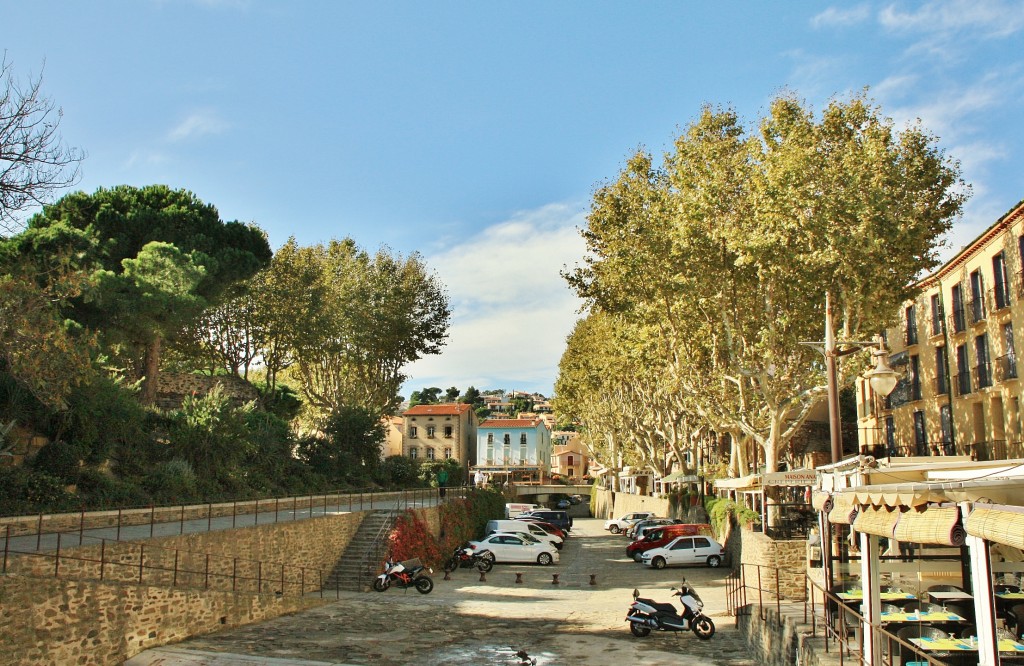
{"x": 882, "y": 378}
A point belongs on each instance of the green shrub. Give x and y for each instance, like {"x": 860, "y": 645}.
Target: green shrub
{"x": 25, "y": 491}
{"x": 59, "y": 460}
{"x": 100, "y": 490}
{"x": 172, "y": 482}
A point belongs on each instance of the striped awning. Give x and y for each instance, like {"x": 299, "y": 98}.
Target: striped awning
{"x": 998, "y": 525}
{"x": 932, "y": 525}
{"x": 844, "y": 509}
{"x": 878, "y": 521}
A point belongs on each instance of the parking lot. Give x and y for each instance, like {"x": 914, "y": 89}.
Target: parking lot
{"x": 468, "y": 621}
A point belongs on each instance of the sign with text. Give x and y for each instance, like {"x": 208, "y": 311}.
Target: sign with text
{"x": 798, "y": 477}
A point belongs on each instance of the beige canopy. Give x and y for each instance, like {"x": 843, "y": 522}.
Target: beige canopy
{"x": 998, "y": 524}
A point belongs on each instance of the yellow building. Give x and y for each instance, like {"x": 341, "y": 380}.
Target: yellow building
{"x": 960, "y": 390}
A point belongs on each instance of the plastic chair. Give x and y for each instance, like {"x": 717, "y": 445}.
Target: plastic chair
{"x": 891, "y": 608}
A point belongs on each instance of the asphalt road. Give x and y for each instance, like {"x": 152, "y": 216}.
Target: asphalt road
{"x": 467, "y": 621}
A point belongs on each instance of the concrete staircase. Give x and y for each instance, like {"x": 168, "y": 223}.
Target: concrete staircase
{"x": 362, "y": 559}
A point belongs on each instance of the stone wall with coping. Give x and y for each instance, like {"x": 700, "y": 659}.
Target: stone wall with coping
{"x": 788, "y": 557}
{"x": 190, "y": 585}
{"x": 777, "y": 641}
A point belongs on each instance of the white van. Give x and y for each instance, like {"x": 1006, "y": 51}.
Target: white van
{"x": 514, "y": 509}
{"x": 522, "y": 526}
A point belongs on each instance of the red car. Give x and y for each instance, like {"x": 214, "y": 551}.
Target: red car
{"x": 546, "y": 526}
{"x": 662, "y": 536}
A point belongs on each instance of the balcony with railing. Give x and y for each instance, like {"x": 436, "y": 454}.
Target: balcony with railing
{"x": 941, "y": 384}
{"x": 958, "y": 319}
{"x": 983, "y": 375}
{"x": 1006, "y": 368}
{"x": 976, "y": 309}
{"x": 962, "y": 383}
{"x": 1001, "y": 296}
{"x": 997, "y": 449}
{"x": 910, "y": 335}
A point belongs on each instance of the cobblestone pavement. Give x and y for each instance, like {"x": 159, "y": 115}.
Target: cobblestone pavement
{"x": 468, "y": 621}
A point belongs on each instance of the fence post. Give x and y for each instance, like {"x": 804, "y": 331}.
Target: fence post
{"x": 56, "y": 561}
{"x": 234, "y": 574}
{"x": 103, "y": 556}
{"x": 760, "y": 594}
{"x": 206, "y": 575}
{"x": 39, "y": 533}
{"x": 142, "y": 559}
{"x": 209, "y": 517}
{"x": 182, "y": 529}
{"x": 778, "y": 594}
{"x": 118, "y": 537}
{"x": 256, "y": 515}
{"x": 152, "y": 520}
{"x": 277, "y": 512}
{"x": 7, "y": 547}
{"x": 175, "y": 580}
{"x": 81, "y": 525}
{"x": 234, "y": 512}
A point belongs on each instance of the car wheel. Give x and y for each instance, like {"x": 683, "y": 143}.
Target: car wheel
{"x": 544, "y": 559}
{"x": 714, "y": 561}
{"x": 614, "y": 529}
{"x": 658, "y": 562}
{"x": 638, "y": 556}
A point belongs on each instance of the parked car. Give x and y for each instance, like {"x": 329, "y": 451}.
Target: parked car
{"x": 575, "y": 499}
{"x": 617, "y": 525}
{"x": 685, "y": 550}
{"x": 517, "y": 548}
{"x": 550, "y": 528}
{"x": 553, "y": 516}
{"x": 526, "y": 526}
{"x": 633, "y": 531}
{"x": 662, "y": 535}
{"x": 563, "y": 504}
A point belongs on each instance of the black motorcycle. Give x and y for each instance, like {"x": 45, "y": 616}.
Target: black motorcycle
{"x": 410, "y": 573}
{"x": 465, "y": 557}
{"x": 646, "y": 614}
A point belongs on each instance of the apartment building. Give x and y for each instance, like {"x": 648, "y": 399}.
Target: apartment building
{"x": 960, "y": 391}
{"x": 433, "y": 432}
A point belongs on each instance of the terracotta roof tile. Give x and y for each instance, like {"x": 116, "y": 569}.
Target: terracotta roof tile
{"x": 447, "y": 408}
{"x": 510, "y": 423}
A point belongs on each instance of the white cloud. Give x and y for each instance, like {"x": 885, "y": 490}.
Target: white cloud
{"x": 196, "y": 124}
{"x": 993, "y": 18}
{"x": 841, "y": 17}
{"x": 511, "y": 309}
{"x": 951, "y": 113}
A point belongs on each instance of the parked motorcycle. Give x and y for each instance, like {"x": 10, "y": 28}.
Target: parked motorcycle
{"x": 406, "y": 574}
{"x": 465, "y": 557}
{"x": 646, "y": 614}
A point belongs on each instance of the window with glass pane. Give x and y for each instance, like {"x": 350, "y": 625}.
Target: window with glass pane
{"x": 911, "y": 322}
{"x": 946, "y": 419}
{"x": 1001, "y": 281}
{"x": 1010, "y": 358}
{"x": 959, "y": 316}
{"x": 941, "y": 371}
{"x": 983, "y": 369}
{"x": 977, "y": 308}
{"x": 920, "y": 435}
{"x": 963, "y": 371}
{"x": 936, "y": 314}
{"x": 890, "y": 436}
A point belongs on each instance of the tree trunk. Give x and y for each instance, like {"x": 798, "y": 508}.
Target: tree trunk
{"x": 151, "y": 370}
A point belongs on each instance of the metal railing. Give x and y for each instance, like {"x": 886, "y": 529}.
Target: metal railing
{"x": 983, "y": 375}
{"x": 151, "y": 521}
{"x": 758, "y": 588}
{"x": 1006, "y": 367}
{"x": 101, "y": 559}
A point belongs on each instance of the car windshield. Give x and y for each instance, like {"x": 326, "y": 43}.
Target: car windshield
{"x": 528, "y": 538}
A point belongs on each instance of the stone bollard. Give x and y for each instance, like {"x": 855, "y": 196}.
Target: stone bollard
{"x": 483, "y": 577}
{"x": 554, "y": 579}
{"x": 519, "y": 578}
{"x": 593, "y": 579}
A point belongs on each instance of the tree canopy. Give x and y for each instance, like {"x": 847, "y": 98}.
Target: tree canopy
{"x": 710, "y": 269}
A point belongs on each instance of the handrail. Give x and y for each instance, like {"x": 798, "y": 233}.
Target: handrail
{"x": 147, "y": 521}
{"x": 819, "y": 607}
{"x": 147, "y": 564}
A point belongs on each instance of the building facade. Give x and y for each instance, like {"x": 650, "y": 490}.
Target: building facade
{"x": 515, "y": 450}
{"x": 960, "y": 390}
{"x": 439, "y": 432}
{"x": 569, "y": 460}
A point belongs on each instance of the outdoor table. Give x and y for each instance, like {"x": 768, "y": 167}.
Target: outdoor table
{"x": 1011, "y": 596}
{"x": 931, "y": 617}
{"x": 962, "y": 645}
{"x": 955, "y": 595}
{"x": 858, "y": 595}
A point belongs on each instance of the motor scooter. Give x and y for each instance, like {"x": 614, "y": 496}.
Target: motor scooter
{"x": 406, "y": 574}
{"x": 646, "y": 614}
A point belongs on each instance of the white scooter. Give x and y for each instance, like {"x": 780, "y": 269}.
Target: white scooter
{"x": 646, "y": 614}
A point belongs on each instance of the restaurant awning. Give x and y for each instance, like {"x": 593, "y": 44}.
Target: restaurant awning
{"x": 844, "y": 509}
{"x": 752, "y": 481}
{"x": 931, "y": 525}
{"x": 880, "y": 522}
{"x": 680, "y": 477}
{"x": 997, "y": 523}
{"x": 820, "y": 501}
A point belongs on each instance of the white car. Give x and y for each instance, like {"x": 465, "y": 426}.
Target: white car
{"x": 685, "y": 550}
{"x": 617, "y": 525}
{"x": 517, "y": 547}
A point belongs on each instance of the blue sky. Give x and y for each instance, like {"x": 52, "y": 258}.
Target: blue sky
{"x": 476, "y": 132}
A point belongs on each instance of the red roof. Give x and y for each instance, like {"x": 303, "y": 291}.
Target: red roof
{"x": 510, "y": 423}
{"x": 452, "y": 408}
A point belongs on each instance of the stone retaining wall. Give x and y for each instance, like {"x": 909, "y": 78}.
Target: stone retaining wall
{"x": 50, "y": 620}
{"x": 788, "y": 557}
{"x": 776, "y": 640}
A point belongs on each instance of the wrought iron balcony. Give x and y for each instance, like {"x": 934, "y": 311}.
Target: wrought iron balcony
{"x": 983, "y": 375}
{"x": 1006, "y": 367}
{"x": 962, "y": 383}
